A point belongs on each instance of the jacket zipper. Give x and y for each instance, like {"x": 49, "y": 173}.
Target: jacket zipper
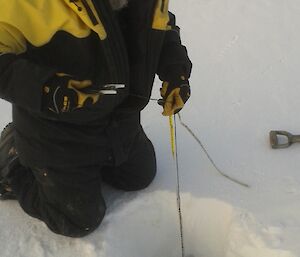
{"x": 114, "y": 45}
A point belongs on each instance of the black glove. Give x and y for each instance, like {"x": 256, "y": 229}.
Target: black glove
{"x": 175, "y": 94}
{"x": 63, "y": 93}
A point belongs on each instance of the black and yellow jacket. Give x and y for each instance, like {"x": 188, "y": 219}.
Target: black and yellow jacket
{"x": 86, "y": 39}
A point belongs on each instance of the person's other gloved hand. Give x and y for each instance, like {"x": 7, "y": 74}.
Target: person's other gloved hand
{"x": 63, "y": 93}
{"x": 175, "y": 94}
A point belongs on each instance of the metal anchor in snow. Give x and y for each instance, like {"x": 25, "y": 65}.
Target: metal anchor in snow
{"x": 289, "y": 139}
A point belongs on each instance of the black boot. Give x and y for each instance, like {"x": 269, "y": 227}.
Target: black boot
{"x": 8, "y": 160}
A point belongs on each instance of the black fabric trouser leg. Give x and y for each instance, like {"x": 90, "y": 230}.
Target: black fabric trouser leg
{"x": 138, "y": 171}
{"x": 69, "y": 201}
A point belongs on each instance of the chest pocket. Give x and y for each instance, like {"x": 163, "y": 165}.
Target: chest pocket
{"x": 161, "y": 15}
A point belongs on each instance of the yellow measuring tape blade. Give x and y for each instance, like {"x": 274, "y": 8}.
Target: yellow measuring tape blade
{"x": 172, "y": 135}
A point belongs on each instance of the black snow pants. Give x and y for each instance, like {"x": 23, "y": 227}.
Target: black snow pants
{"x": 70, "y": 201}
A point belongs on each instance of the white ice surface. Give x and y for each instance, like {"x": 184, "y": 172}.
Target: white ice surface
{"x": 245, "y": 83}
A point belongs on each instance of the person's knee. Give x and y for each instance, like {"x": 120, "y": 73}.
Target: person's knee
{"x": 78, "y": 223}
{"x": 145, "y": 166}
{"x": 138, "y": 171}
{"x": 131, "y": 177}
{"x": 145, "y": 171}
{"x": 89, "y": 224}
{"x": 150, "y": 166}
{"x": 145, "y": 182}
{"x": 142, "y": 182}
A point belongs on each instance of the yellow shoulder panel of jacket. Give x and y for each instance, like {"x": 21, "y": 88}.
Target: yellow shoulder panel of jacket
{"x": 161, "y": 15}
{"x": 11, "y": 40}
{"x": 83, "y": 14}
{"x": 36, "y": 21}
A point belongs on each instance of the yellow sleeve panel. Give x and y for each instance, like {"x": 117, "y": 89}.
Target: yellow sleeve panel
{"x": 161, "y": 15}
{"x": 11, "y": 40}
{"x": 36, "y": 21}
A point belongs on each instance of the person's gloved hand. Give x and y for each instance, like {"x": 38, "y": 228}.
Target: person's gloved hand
{"x": 175, "y": 94}
{"x": 63, "y": 93}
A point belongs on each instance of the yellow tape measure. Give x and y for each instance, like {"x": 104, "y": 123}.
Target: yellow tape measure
{"x": 172, "y": 135}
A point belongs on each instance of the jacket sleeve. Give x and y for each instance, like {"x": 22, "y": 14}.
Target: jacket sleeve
{"x": 21, "y": 80}
{"x": 174, "y": 60}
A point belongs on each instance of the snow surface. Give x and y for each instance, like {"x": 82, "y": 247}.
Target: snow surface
{"x": 245, "y": 83}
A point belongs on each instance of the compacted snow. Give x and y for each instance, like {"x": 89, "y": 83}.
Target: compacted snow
{"x": 245, "y": 83}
